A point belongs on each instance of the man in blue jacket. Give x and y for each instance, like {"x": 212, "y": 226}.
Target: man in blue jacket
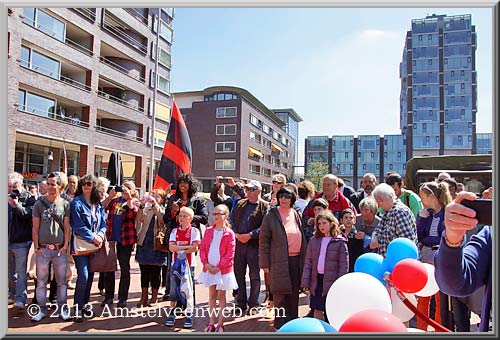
{"x": 460, "y": 267}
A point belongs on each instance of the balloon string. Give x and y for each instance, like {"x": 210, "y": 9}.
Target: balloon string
{"x": 414, "y": 309}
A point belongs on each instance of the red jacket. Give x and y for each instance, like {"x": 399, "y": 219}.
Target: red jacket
{"x": 128, "y": 234}
{"x": 226, "y": 249}
{"x": 336, "y": 205}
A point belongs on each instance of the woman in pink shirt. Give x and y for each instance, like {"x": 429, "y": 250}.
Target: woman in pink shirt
{"x": 282, "y": 251}
{"x": 327, "y": 259}
{"x": 217, "y": 256}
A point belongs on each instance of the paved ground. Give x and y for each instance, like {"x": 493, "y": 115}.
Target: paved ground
{"x": 149, "y": 319}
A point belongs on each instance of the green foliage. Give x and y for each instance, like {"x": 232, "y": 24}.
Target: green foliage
{"x": 315, "y": 173}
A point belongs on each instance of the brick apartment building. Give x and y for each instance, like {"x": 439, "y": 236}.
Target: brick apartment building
{"x": 83, "y": 79}
{"x": 234, "y": 134}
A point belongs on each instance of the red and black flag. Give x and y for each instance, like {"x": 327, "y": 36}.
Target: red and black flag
{"x": 176, "y": 157}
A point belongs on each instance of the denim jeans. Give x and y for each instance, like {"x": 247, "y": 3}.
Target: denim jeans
{"x": 59, "y": 264}
{"x": 83, "y": 281}
{"x": 247, "y": 256}
{"x": 18, "y": 267}
{"x": 123, "y": 253}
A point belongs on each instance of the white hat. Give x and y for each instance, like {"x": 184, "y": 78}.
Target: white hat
{"x": 253, "y": 184}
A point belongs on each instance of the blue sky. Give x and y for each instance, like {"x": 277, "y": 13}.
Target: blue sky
{"x": 337, "y": 67}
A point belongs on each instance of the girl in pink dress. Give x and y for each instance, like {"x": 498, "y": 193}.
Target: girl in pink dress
{"x": 217, "y": 256}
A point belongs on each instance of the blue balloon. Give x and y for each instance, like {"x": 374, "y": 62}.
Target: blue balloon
{"x": 366, "y": 241}
{"x": 306, "y": 325}
{"x": 372, "y": 264}
{"x": 399, "y": 249}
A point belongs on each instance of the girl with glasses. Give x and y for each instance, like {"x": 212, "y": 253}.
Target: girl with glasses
{"x": 217, "y": 250}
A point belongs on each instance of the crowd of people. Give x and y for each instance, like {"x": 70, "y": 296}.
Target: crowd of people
{"x": 301, "y": 240}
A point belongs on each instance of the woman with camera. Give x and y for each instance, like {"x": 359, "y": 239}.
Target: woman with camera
{"x": 151, "y": 252}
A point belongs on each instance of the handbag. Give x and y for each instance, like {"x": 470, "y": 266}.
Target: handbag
{"x": 104, "y": 260}
{"x": 82, "y": 246}
{"x": 160, "y": 244}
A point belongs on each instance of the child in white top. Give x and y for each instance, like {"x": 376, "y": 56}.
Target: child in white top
{"x": 217, "y": 256}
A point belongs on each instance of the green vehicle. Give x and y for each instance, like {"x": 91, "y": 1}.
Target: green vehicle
{"x": 474, "y": 171}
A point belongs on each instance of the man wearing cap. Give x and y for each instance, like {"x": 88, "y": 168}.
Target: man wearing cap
{"x": 246, "y": 219}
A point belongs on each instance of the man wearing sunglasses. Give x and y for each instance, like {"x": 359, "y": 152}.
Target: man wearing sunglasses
{"x": 246, "y": 219}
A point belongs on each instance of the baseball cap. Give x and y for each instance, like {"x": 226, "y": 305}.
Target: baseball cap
{"x": 253, "y": 184}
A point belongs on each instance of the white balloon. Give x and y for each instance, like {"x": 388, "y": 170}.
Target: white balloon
{"x": 355, "y": 292}
{"x": 415, "y": 330}
{"x": 399, "y": 309}
{"x": 431, "y": 287}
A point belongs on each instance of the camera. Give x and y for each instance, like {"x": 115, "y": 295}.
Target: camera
{"x": 483, "y": 209}
{"x": 118, "y": 188}
{"x": 14, "y": 194}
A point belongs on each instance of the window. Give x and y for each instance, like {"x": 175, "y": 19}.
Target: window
{"x": 446, "y": 60}
{"x": 427, "y": 139}
{"x": 468, "y": 60}
{"x": 372, "y": 155}
{"x": 225, "y": 164}
{"x": 437, "y": 139}
{"x": 32, "y": 103}
{"x": 162, "y": 112}
{"x": 225, "y": 147}
{"x": 45, "y": 23}
{"x": 430, "y": 61}
{"x": 225, "y": 112}
{"x": 225, "y": 130}
{"x": 452, "y": 73}
{"x": 165, "y": 32}
{"x": 462, "y": 73}
{"x": 459, "y": 138}
{"x": 364, "y": 166}
{"x": 424, "y": 127}
{"x": 346, "y": 155}
{"x": 163, "y": 85}
{"x": 254, "y": 121}
{"x": 462, "y": 86}
{"x": 39, "y": 62}
{"x": 165, "y": 58}
{"x": 429, "y": 37}
{"x": 420, "y": 37}
{"x": 266, "y": 129}
{"x": 160, "y": 138}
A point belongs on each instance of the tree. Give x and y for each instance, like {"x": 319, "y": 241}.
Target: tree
{"x": 315, "y": 172}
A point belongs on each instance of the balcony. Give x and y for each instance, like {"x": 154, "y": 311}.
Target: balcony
{"x": 68, "y": 74}
{"x": 122, "y": 63}
{"x": 141, "y": 14}
{"x": 123, "y": 32}
{"x": 121, "y": 95}
{"x": 113, "y": 125}
{"x": 71, "y": 35}
{"x": 87, "y": 13}
{"x": 65, "y": 113}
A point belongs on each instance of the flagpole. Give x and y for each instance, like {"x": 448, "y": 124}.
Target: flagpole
{"x": 153, "y": 124}
{"x": 65, "y": 163}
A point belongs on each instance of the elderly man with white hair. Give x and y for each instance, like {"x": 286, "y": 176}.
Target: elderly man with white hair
{"x": 398, "y": 220}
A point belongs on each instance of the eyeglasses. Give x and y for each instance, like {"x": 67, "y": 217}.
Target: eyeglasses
{"x": 277, "y": 182}
{"x": 218, "y": 214}
{"x": 251, "y": 189}
{"x": 89, "y": 184}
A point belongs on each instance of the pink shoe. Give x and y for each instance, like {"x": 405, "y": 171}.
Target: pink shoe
{"x": 210, "y": 328}
{"x": 219, "y": 328}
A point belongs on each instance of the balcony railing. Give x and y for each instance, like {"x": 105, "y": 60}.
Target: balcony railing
{"x": 64, "y": 79}
{"x": 117, "y": 133}
{"x": 138, "y": 15}
{"x": 53, "y": 116}
{"x": 120, "y": 101}
{"x": 120, "y": 69}
{"x": 88, "y": 13}
{"x": 254, "y": 172}
{"x": 114, "y": 28}
{"x": 52, "y": 34}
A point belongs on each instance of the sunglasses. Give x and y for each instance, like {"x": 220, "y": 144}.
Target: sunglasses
{"x": 251, "y": 189}
{"x": 218, "y": 214}
{"x": 89, "y": 184}
{"x": 277, "y": 182}
{"x": 287, "y": 196}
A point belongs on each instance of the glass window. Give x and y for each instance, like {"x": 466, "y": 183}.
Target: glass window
{"x": 165, "y": 32}
{"x": 29, "y": 16}
{"x": 162, "y": 112}
{"x": 225, "y": 129}
{"x": 45, "y": 65}
{"x": 50, "y": 25}
{"x": 225, "y": 146}
{"x": 163, "y": 85}
{"x": 225, "y": 164}
{"x": 25, "y": 56}
{"x": 39, "y": 105}
{"x": 226, "y": 112}
{"x": 165, "y": 58}
{"x": 21, "y": 100}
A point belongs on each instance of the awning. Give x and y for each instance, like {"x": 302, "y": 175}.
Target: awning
{"x": 277, "y": 148}
{"x": 255, "y": 152}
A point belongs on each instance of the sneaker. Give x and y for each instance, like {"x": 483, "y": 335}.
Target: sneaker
{"x": 39, "y": 316}
{"x": 170, "y": 320}
{"x": 188, "y": 323}
{"x": 18, "y": 305}
{"x": 162, "y": 291}
{"x": 65, "y": 313}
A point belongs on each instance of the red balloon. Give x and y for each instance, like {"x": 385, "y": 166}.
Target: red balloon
{"x": 409, "y": 275}
{"x": 372, "y": 320}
